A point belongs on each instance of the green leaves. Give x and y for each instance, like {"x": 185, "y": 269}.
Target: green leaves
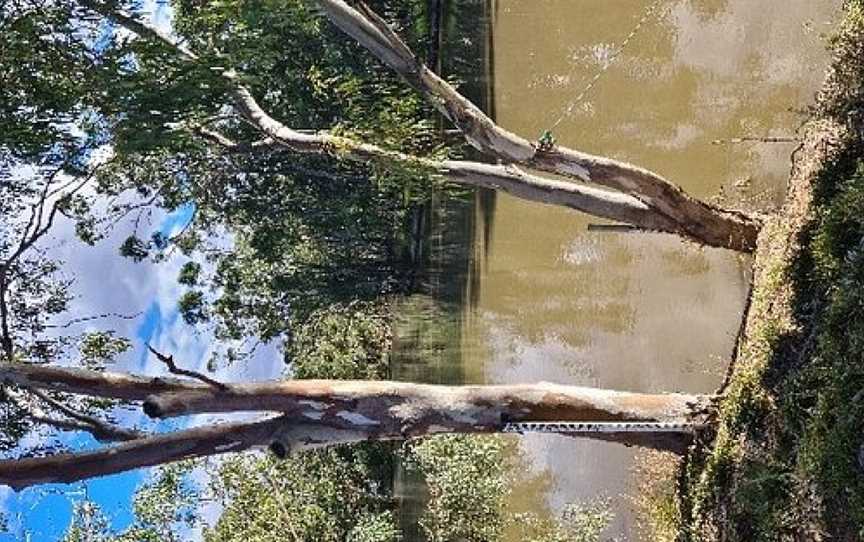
{"x": 99, "y": 348}
{"x": 342, "y": 342}
{"x": 330, "y": 495}
{"x": 191, "y": 307}
{"x": 134, "y": 248}
{"x": 467, "y": 484}
{"x": 89, "y": 524}
{"x": 189, "y": 273}
{"x": 162, "y": 506}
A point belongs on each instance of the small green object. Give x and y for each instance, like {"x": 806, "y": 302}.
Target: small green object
{"x": 546, "y": 141}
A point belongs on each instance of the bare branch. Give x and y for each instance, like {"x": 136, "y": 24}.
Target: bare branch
{"x": 84, "y": 319}
{"x": 28, "y": 239}
{"x": 172, "y": 367}
{"x": 100, "y": 429}
{"x": 64, "y": 425}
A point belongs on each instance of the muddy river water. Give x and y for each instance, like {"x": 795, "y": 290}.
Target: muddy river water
{"x": 526, "y": 292}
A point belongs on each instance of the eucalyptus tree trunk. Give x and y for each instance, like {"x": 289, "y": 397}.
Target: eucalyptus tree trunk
{"x": 635, "y": 195}
{"x": 695, "y": 219}
{"x": 315, "y": 413}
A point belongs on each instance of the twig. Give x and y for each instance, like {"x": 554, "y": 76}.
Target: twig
{"x": 83, "y": 319}
{"x": 172, "y": 367}
{"x": 752, "y": 139}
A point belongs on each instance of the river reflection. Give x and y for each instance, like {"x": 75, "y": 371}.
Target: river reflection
{"x": 543, "y": 298}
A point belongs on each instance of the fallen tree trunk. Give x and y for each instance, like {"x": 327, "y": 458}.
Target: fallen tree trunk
{"x": 318, "y": 413}
{"x": 398, "y": 406}
{"x": 415, "y": 409}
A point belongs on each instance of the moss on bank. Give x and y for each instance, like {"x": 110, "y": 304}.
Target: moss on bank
{"x": 785, "y": 462}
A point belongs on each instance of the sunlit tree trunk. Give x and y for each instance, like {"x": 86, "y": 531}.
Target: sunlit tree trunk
{"x": 315, "y": 413}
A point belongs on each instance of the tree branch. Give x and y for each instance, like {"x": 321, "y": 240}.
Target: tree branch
{"x": 102, "y": 384}
{"x": 83, "y": 319}
{"x": 691, "y": 218}
{"x": 100, "y": 429}
{"x": 703, "y": 222}
{"x": 143, "y": 452}
{"x": 172, "y": 367}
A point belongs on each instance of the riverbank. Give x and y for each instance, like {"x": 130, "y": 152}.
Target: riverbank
{"x": 786, "y": 459}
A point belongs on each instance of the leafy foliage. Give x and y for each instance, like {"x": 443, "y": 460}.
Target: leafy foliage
{"x": 329, "y": 495}
{"x": 89, "y": 524}
{"x": 467, "y": 483}
{"x": 343, "y": 342}
{"x": 161, "y": 506}
{"x": 98, "y": 348}
{"x": 189, "y": 274}
{"x": 578, "y": 523}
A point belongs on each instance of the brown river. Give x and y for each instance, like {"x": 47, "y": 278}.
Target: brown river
{"x": 522, "y": 292}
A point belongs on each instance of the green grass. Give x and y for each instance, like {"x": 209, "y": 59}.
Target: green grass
{"x": 783, "y": 464}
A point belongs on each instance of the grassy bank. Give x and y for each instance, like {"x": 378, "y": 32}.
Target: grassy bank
{"x": 786, "y": 461}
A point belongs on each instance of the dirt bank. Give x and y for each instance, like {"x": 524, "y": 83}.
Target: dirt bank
{"x": 785, "y": 461}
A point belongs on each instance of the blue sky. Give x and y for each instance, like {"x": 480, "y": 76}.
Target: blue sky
{"x": 44, "y": 512}
{"x": 106, "y": 282}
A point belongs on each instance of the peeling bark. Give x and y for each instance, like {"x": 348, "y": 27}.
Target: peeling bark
{"x": 399, "y": 405}
{"x": 417, "y": 409}
{"x": 594, "y": 201}
{"x": 326, "y": 413}
{"x": 382, "y": 417}
{"x": 317, "y": 413}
